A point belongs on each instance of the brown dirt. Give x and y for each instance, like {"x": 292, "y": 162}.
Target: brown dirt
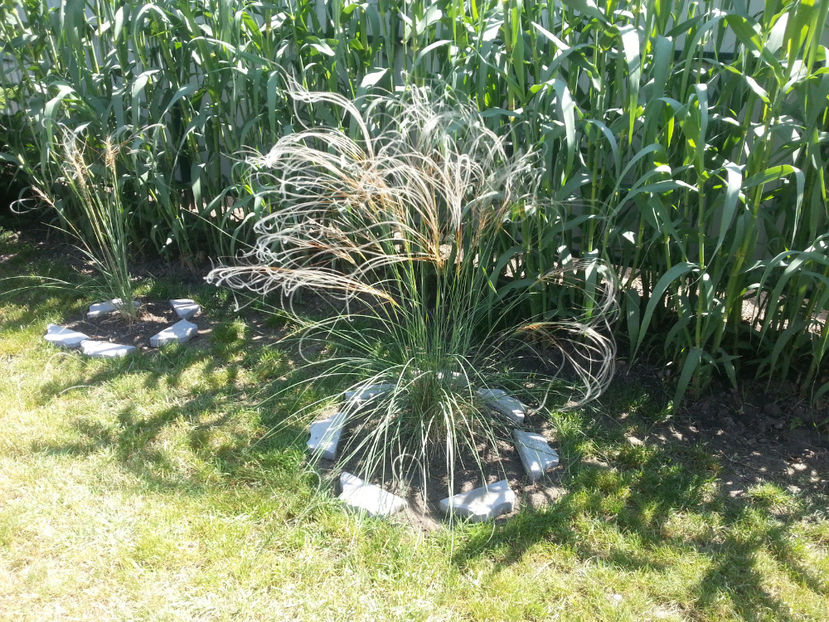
{"x": 54, "y": 245}
{"x": 758, "y": 434}
{"x": 152, "y": 317}
{"x": 503, "y": 464}
{"x": 756, "y": 440}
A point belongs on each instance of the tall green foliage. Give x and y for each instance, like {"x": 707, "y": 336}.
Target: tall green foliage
{"x": 685, "y": 140}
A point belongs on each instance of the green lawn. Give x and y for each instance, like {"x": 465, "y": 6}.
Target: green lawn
{"x": 149, "y": 488}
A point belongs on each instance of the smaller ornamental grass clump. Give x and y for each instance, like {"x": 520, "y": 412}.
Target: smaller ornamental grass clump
{"x": 411, "y": 230}
{"x": 100, "y": 222}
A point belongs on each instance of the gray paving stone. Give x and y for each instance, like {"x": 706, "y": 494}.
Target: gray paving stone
{"x": 180, "y": 332}
{"x": 62, "y": 336}
{"x": 101, "y": 308}
{"x": 368, "y": 392}
{"x": 503, "y": 403}
{"x": 185, "y": 308}
{"x": 482, "y": 503}
{"x": 104, "y": 349}
{"x": 325, "y": 436}
{"x": 106, "y": 307}
{"x": 369, "y": 497}
{"x": 536, "y": 454}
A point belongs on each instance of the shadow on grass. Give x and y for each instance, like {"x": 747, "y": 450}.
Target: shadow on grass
{"x": 33, "y": 303}
{"x": 627, "y": 504}
{"x": 220, "y": 423}
{"x": 212, "y": 452}
{"x": 38, "y": 286}
{"x": 216, "y": 421}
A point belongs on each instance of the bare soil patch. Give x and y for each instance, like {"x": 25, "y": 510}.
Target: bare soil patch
{"x": 502, "y": 462}
{"x": 153, "y": 316}
{"x": 758, "y": 434}
{"x": 760, "y": 438}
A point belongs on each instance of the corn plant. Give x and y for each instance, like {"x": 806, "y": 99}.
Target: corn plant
{"x": 403, "y": 226}
{"x": 686, "y": 141}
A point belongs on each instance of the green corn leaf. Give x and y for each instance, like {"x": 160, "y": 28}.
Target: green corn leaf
{"x": 692, "y": 363}
{"x": 675, "y": 273}
{"x": 631, "y": 309}
{"x": 588, "y": 7}
{"x": 733, "y": 181}
{"x": 630, "y": 47}
{"x": 372, "y": 78}
{"x": 429, "y": 49}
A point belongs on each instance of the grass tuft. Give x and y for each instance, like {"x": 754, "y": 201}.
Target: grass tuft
{"x": 404, "y": 229}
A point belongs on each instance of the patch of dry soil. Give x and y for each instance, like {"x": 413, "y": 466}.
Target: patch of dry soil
{"x": 152, "y": 317}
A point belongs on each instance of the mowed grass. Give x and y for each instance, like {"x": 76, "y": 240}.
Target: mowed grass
{"x": 150, "y": 488}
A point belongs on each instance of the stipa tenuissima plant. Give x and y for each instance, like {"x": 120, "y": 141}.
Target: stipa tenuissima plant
{"x": 407, "y": 228}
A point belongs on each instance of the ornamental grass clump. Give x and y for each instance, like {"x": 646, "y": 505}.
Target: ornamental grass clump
{"x": 410, "y": 231}
{"x": 100, "y": 221}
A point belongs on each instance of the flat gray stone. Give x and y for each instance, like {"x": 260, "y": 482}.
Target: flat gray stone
{"x": 368, "y": 392}
{"x": 106, "y": 307}
{"x": 101, "y": 308}
{"x": 369, "y": 497}
{"x": 325, "y": 436}
{"x": 505, "y": 404}
{"x": 180, "y": 332}
{"x": 104, "y": 349}
{"x": 536, "y": 454}
{"x": 62, "y": 336}
{"x": 482, "y": 503}
{"x": 185, "y": 308}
